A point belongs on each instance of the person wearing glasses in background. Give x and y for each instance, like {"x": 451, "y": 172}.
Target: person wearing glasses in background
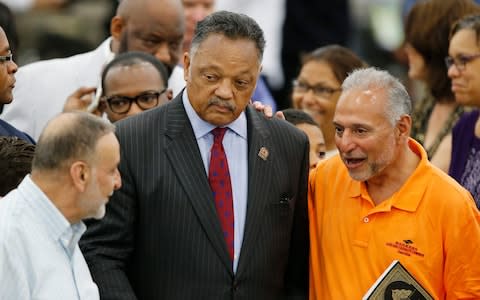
{"x": 317, "y": 88}
{"x": 426, "y": 45}
{"x": 463, "y": 65}
{"x": 131, "y": 83}
{"x": 8, "y": 68}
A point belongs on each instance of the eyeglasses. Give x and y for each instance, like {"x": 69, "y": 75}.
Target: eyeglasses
{"x": 460, "y": 61}
{"x": 318, "y": 90}
{"x": 5, "y": 58}
{"x": 121, "y": 104}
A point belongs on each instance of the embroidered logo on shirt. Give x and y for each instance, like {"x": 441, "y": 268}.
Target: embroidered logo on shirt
{"x": 405, "y": 247}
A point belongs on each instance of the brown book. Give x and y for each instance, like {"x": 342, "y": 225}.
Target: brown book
{"x": 396, "y": 283}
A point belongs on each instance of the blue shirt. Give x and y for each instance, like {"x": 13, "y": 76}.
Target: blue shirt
{"x": 236, "y": 148}
{"x": 39, "y": 253}
{"x": 8, "y": 130}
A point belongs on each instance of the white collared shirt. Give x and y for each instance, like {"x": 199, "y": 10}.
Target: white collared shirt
{"x": 235, "y": 144}
{"x": 39, "y": 253}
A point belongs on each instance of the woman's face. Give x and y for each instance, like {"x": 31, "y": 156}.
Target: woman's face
{"x": 316, "y": 91}
{"x": 465, "y": 70}
{"x": 416, "y": 63}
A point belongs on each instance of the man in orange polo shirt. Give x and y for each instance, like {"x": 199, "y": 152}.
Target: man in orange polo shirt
{"x": 381, "y": 200}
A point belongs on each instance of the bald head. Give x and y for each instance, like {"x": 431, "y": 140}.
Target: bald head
{"x": 67, "y": 137}
{"x": 152, "y": 26}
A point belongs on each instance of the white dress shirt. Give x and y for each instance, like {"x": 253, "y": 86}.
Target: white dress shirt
{"x": 235, "y": 144}
{"x": 39, "y": 253}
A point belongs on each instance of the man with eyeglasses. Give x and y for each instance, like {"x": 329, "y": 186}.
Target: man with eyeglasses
{"x": 8, "y": 68}
{"x": 131, "y": 83}
{"x": 150, "y": 26}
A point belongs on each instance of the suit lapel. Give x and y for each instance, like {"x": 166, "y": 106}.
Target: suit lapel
{"x": 184, "y": 155}
{"x": 260, "y": 172}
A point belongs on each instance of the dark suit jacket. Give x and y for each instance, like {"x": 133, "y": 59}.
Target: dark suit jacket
{"x": 8, "y": 130}
{"x": 161, "y": 238}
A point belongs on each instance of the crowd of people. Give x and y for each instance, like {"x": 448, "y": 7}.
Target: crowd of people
{"x": 144, "y": 170}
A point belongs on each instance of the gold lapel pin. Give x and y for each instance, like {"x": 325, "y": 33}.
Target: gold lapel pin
{"x": 263, "y": 153}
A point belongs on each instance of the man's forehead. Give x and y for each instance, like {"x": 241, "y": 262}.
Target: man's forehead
{"x": 366, "y": 96}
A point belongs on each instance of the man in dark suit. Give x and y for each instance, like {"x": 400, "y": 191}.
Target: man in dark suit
{"x": 167, "y": 234}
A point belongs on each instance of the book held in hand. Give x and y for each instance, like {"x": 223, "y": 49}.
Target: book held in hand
{"x": 396, "y": 283}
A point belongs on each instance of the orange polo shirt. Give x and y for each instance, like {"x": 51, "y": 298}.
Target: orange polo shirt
{"x": 431, "y": 225}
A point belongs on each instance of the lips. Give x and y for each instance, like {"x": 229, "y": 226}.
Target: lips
{"x": 353, "y": 163}
{"x": 456, "y": 87}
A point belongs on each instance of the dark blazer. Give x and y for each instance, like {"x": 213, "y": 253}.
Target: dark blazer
{"x": 8, "y": 130}
{"x": 161, "y": 238}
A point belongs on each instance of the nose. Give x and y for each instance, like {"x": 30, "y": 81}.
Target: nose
{"x": 12, "y": 67}
{"x": 118, "y": 181}
{"x": 224, "y": 90}
{"x": 345, "y": 142}
{"x": 162, "y": 53}
{"x": 134, "y": 109}
{"x": 314, "y": 159}
{"x": 308, "y": 99}
{"x": 453, "y": 71}
{"x": 199, "y": 14}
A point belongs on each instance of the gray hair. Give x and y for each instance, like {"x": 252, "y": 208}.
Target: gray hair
{"x": 398, "y": 100}
{"x": 232, "y": 25}
{"x": 68, "y": 137}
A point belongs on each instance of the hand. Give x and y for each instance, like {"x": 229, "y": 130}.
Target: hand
{"x": 80, "y": 100}
{"x": 267, "y": 110}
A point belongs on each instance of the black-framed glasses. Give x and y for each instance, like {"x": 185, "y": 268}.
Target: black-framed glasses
{"x": 121, "y": 104}
{"x": 460, "y": 61}
{"x": 5, "y": 58}
{"x": 319, "y": 90}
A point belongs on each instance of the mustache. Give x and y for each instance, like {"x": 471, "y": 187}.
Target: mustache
{"x": 230, "y": 105}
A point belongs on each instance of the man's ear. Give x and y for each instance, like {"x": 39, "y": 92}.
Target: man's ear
{"x": 169, "y": 94}
{"x": 186, "y": 66}
{"x": 80, "y": 175}
{"x": 117, "y": 25}
{"x": 404, "y": 125}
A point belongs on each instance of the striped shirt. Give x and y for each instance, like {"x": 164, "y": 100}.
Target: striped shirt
{"x": 39, "y": 253}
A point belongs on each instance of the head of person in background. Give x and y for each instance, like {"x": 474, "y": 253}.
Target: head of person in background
{"x": 75, "y": 164}
{"x": 318, "y": 86}
{"x": 463, "y": 60}
{"x": 195, "y": 11}
{"x": 426, "y": 44}
{"x": 7, "y": 22}
{"x": 305, "y": 123}
{"x": 16, "y": 157}
{"x": 151, "y": 26}
{"x": 131, "y": 83}
{"x": 464, "y": 70}
{"x": 8, "y": 70}
{"x": 222, "y": 67}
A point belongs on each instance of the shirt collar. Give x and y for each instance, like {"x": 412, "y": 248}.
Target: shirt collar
{"x": 202, "y": 128}
{"x": 406, "y": 198}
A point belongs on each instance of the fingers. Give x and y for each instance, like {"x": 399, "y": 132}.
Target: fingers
{"x": 79, "y": 100}
{"x": 265, "y": 109}
{"x": 280, "y": 115}
{"x": 83, "y": 91}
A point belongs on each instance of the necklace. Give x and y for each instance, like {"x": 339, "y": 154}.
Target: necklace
{"x": 420, "y": 117}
